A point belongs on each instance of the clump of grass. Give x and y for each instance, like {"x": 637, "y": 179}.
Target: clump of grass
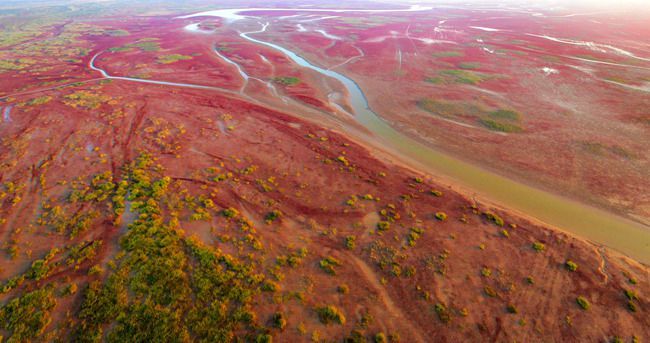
{"x": 383, "y": 225}
{"x": 512, "y": 309}
{"x": 442, "y": 312}
{"x": 583, "y": 303}
{"x": 330, "y": 314}
{"x": 350, "y": 242}
{"x": 343, "y": 289}
{"x": 279, "y": 320}
{"x": 494, "y": 218}
{"x": 539, "y": 246}
{"x": 570, "y": 265}
{"x": 631, "y": 295}
{"x": 328, "y": 264}
{"x": 230, "y": 212}
{"x": 436, "y": 193}
{"x": 441, "y": 216}
{"x": 272, "y": 216}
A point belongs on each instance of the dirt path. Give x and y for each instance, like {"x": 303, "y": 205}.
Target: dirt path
{"x": 370, "y": 276}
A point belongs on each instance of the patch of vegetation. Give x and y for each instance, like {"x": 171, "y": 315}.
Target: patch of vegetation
{"x": 601, "y": 149}
{"x": 343, "y": 289}
{"x": 539, "y": 246}
{"x": 436, "y": 193}
{"x": 505, "y": 115}
{"x": 286, "y": 80}
{"x": 145, "y": 44}
{"x": 450, "y": 53}
{"x": 499, "y": 126}
{"x": 85, "y": 99}
{"x": 330, "y": 314}
{"x": 570, "y": 265}
{"x": 583, "y": 303}
{"x": 272, "y": 216}
{"x": 441, "y": 216}
{"x": 164, "y": 286}
{"x": 328, "y": 264}
{"x": 25, "y": 318}
{"x": 462, "y": 76}
{"x": 42, "y": 100}
{"x": 117, "y": 33}
{"x": 414, "y": 235}
{"x": 167, "y": 59}
{"x": 469, "y": 65}
{"x": 279, "y": 320}
{"x": 494, "y": 218}
{"x": 350, "y": 242}
{"x": 442, "y": 312}
{"x": 383, "y": 225}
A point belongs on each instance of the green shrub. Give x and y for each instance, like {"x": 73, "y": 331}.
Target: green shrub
{"x": 343, "y": 289}
{"x": 494, "y": 218}
{"x": 279, "y": 321}
{"x": 631, "y": 306}
{"x": 330, "y": 314}
{"x": 380, "y": 337}
{"x": 383, "y": 225}
{"x": 230, "y": 212}
{"x": 443, "y": 313}
{"x": 436, "y": 193}
{"x": 328, "y": 264}
{"x": 631, "y": 295}
{"x": 570, "y": 265}
{"x": 583, "y": 302}
{"x": 512, "y": 309}
{"x": 264, "y": 338}
{"x": 350, "y": 242}
{"x": 539, "y": 247}
{"x": 356, "y": 336}
{"x": 272, "y": 216}
{"x": 441, "y": 216}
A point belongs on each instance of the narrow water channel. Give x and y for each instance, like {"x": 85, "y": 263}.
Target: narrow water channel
{"x": 626, "y": 236}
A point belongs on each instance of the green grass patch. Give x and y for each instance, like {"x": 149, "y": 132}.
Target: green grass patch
{"x": 469, "y": 65}
{"x": 450, "y": 53}
{"x": 462, "y": 76}
{"x": 117, "y": 33}
{"x": 505, "y": 114}
{"x": 147, "y": 44}
{"x": 167, "y": 59}
{"x": 286, "y": 80}
{"x": 494, "y": 125}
